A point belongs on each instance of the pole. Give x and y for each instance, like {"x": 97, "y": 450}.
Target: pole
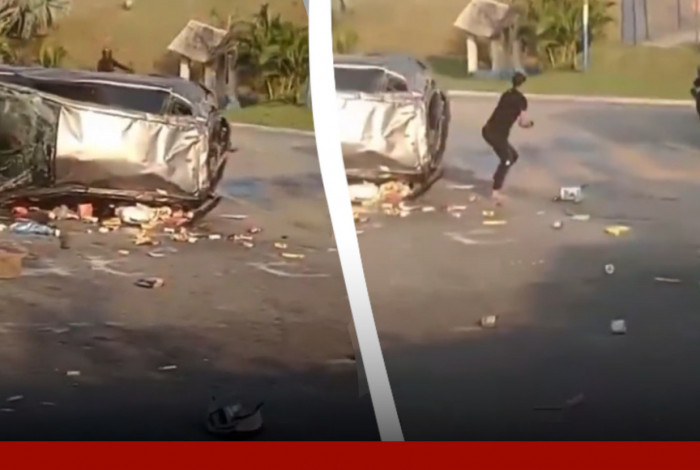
{"x": 696, "y": 10}
{"x": 586, "y": 51}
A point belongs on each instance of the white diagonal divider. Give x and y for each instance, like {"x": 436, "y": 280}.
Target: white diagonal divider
{"x": 323, "y": 101}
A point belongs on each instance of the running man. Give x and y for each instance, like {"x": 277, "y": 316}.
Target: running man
{"x": 512, "y": 107}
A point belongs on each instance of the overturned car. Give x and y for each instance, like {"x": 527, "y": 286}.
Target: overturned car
{"x": 394, "y": 120}
{"x": 109, "y": 136}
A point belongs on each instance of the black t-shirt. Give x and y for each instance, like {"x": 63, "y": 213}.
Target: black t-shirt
{"x": 510, "y": 106}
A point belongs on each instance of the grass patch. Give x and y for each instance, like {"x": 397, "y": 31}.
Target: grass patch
{"x": 274, "y": 115}
{"x": 140, "y": 36}
{"x": 616, "y": 70}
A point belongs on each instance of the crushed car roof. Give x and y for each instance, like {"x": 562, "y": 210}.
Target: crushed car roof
{"x": 192, "y": 92}
{"x": 412, "y": 70}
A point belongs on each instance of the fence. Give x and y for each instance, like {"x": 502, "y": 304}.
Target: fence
{"x": 665, "y": 22}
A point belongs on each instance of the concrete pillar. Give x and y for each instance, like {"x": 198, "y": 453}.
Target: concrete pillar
{"x": 184, "y": 68}
{"x": 210, "y": 76}
{"x": 497, "y": 56}
{"x": 231, "y": 77}
{"x": 472, "y": 55}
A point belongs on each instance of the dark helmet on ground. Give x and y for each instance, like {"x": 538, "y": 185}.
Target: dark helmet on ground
{"x": 518, "y": 79}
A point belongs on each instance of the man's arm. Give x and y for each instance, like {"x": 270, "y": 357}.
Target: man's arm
{"x": 524, "y": 120}
{"x": 121, "y": 66}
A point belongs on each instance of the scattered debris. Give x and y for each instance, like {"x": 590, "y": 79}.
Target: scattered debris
{"x": 617, "y": 230}
{"x": 7, "y": 410}
{"x": 558, "y": 225}
{"x": 15, "y": 398}
{"x": 541, "y": 212}
{"x": 123, "y": 252}
{"x": 580, "y": 217}
{"x": 609, "y": 269}
{"x": 150, "y": 283}
{"x": 234, "y": 216}
{"x": 667, "y": 280}
{"x": 29, "y": 227}
{"x": 11, "y": 263}
{"x": 135, "y": 215}
{"x": 495, "y": 222}
{"x": 231, "y": 417}
{"x": 73, "y": 373}
{"x": 618, "y": 327}
{"x": 167, "y": 368}
{"x": 488, "y": 321}
{"x": 254, "y": 230}
{"x": 248, "y": 245}
{"x": 458, "y": 187}
{"x": 85, "y": 211}
{"x": 214, "y": 236}
{"x": 363, "y": 192}
{"x": 488, "y": 214}
{"x": 428, "y": 209}
{"x": 281, "y": 246}
{"x": 570, "y": 194}
{"x": 293, "y": 255}
{"x": 156, "y": 254}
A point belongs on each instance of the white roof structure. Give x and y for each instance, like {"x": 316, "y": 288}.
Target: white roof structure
{"x": 197, "y": 41}
{"x": 486, "y": 18}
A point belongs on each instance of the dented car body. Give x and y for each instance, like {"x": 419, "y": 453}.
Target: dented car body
{"x": 106, "y": 135}
{"x": 394, "y": 119}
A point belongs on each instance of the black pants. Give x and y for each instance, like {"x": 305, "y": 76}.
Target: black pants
{"x": 505, "y": 152}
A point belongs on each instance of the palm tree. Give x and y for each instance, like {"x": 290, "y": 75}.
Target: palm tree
{"x": 51, "y": 56}
{"x": 25, "y": 19}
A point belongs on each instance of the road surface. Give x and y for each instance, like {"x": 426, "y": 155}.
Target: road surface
{"x": 551, "y": 369}
{"x": 232, "y": 320}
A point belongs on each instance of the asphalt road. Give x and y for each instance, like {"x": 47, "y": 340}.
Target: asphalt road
{"x": 230, "y": 325}
{"x": 551, "y": 369}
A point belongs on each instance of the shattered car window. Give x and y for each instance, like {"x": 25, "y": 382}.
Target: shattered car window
{"x": 359, "y": 80}
{"x": 136, "y": 99}
{"x": 15, "y": 136}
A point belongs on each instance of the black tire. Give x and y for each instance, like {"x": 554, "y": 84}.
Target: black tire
{"x": 439, "y": 112}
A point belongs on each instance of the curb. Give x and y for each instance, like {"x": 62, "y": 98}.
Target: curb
{"x": 576, "y": 99}
{"x": 275, "y": 130}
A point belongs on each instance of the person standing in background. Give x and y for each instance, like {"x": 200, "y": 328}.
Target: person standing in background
{"x": 107, "y": 63}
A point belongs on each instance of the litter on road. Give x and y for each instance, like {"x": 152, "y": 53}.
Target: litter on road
{"x": 488, "y": 321}
{"x": 617, "y": 230}
{"x": 667, "y": 280}
{"x": 458, "y": 187}
{"x": 72, "y": 373}
{"x": 609, "y": 269}
{"x": 495, "y": 222}
{"x": 570, "y": 194}
{"x": 15, "y": 398}
{"x": 167, "y": 368}
{"x": 230, "y": 418}
{"x": 618, "y": 327}
{"x": 580, "y": 217}
{"x": 558, "y": 225}
{"x": 150, "y": 283}
{"x": 293, "y": 255}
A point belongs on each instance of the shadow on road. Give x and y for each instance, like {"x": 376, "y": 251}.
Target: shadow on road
{"x": 553, "y": 344}
{"x": 122, "y": 393}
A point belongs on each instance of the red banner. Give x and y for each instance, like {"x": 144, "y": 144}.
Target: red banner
{"x": 356, "y": 456}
